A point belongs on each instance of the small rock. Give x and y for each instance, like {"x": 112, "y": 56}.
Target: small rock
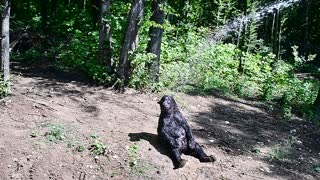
{"x": 115, "y": 156}
{"x": 299, "y": 142}
{"x": 293, "y": 131}
{"x": 211, "y": 140}
{"x": 227, "y": 122}
{"x": 9, "y": 166}
{"x": 261, "y": 169}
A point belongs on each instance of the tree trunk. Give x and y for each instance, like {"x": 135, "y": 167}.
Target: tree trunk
{"x": 5, "y": 63}
{"x": 105, "y": 51}
{"x": 155, "y": 34}
{"x": 276, "y": 33}
{"x": 53, "y": 8}
{"x": 306, "y": 42}
{"x": 44, "y": 13}
{"x": 134, "y": 21}
{"x": 316, "y": 103}
{"x": 243, "y": 6}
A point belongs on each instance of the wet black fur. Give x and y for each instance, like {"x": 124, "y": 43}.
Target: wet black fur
{"x": 173, "y": 130}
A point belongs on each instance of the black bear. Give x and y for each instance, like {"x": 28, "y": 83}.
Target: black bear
{"x": 175, "y": 132}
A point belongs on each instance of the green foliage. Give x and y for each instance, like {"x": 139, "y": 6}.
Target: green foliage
{"x": 3, "y": 87}
{"x": 81, "y": 54}
{"x": 133, "y": 155}
{"x": 316, "y": 168}
{"x": 80, "y": 148}
{"x": 280, "y": 152}
{"x": 137, "y": 166}
{"x": 261, "y": 76}
{"x": 98, "y": 148}
{"x": 300, "y": 61}
{"x": 34, "y": 134}
{"x": 69, "y": 38}
{"x": 141, "y": 74}
{"x": 55, "y": 133}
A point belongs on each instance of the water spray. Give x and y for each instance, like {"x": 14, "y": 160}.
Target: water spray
{"x": 222, "y": 32}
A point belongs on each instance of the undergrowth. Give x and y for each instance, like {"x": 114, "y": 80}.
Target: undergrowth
{"x": 3, "y": 88}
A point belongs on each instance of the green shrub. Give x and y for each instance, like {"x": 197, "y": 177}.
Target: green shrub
{"x": 55, "y": 133}
{"x": 98, "y": 148}
{"x": 261, "y": 76}
{"x": 3, "y": 87}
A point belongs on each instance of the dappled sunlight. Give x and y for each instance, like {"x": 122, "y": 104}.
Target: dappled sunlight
{"x": 242, "y": 130}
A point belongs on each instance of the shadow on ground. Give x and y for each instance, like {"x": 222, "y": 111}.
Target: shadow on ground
{"x": 152, "y": 139}
{"x": 241, "y": 129}
{"x": 50, "y": 72}
{"x": 54, "y": 79}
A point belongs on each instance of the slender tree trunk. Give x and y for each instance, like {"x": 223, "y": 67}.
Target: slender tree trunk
{"x": 306, "y": 42}
{"x": 134, "y": 21}
{"x": 105, "y": 51}
{"x": 239, "y": 33}
{"x": 155, "y": 34}
{"x": 316, "y": 103}
{"x": 53, "y": 8}
{"x": 276, "y": 33}
{"x": 5, "y": 63}
{"x": 44, "y": 13}
{"x": 243, "y": 6}
{"x": 84, "y": 4}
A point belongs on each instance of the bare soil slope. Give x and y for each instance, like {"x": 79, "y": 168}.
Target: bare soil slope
{"x": 54, "y": 126}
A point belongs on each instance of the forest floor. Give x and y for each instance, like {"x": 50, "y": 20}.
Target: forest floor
{"x": 56, "y": 126}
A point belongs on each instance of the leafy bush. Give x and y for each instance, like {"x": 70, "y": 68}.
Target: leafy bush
{"x": 3, "y": 88}
{"x": 81, "y": 53}
{"x": 260, "y": 76}
{"x": 141, "y": 74}
{"x": 55, "y": 133}
{"x": 98, "y": 148}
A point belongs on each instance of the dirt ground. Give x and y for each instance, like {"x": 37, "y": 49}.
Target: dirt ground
{"x": 55, "y": 126}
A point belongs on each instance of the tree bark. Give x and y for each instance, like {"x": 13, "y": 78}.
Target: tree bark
{"x": 53, "y": 8}
{"x": 155, "y": 34}
{"x": 243, "y": 6}
{"x": 5, "y": 63}
{"x": 134, "y": 21}
{"x": 316, "y": 103}
{"x": 276, "y": 33}
{"x": 44, "y": 13}
{"x": 105, "y": 51}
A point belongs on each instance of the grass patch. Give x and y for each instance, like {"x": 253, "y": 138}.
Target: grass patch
{"x": 137, "y": 167}
{"x": 281, "y": 152}
{"x": 55, "y": 133}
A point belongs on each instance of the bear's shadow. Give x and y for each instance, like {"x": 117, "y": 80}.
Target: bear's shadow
{"x": 153, "y": 139}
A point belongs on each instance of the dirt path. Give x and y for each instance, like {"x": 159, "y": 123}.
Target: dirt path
{"x": 49, "y": 124}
